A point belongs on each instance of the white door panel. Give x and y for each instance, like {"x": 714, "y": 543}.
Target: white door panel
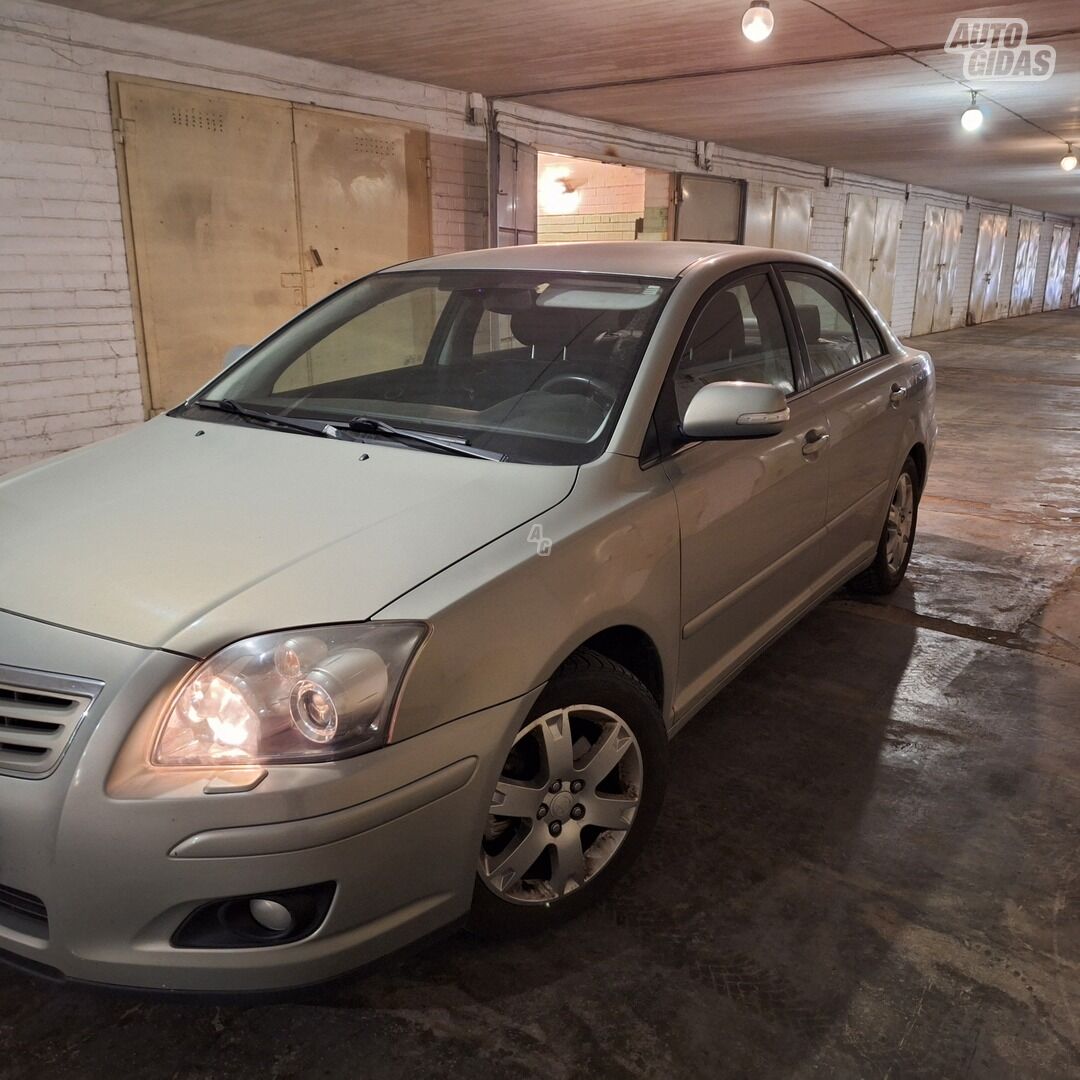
{"x": 929, "y": 260}
{"x": 938, "y": 259}
{"x": 887, "y": 225}
{"x": 1027, "y": 260}
{"x": 792, "y": 219}
{"x": 1055, "y": 275}
{"x": 986, "y": 274}
{"x": 516, "y": 211}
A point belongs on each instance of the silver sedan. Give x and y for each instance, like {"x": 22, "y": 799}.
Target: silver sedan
{"x": 390, "y": 623}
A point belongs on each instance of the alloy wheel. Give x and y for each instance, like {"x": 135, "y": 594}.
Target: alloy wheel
{"x": 899, "y": 523}
{"x": 565, "y": 801}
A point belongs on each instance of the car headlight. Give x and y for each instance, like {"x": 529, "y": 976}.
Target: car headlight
{"x": 302, "y": 695}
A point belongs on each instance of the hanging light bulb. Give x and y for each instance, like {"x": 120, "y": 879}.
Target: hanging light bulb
{"x": 1068, "y": 162}
{"x": 972, "y": 117}
{"x": 757, "y": 21}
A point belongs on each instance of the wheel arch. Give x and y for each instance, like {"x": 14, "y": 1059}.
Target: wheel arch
{"x": 635, "y": 650}
{"x": 918, "y": 454}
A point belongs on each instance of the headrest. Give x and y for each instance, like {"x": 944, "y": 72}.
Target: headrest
{"x": 721, "y": 329}
{"x": 550, "y": 327}
{"x": 810, "y": 317}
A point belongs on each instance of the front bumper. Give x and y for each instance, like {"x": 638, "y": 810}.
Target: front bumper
{"x": 119, "y": 855}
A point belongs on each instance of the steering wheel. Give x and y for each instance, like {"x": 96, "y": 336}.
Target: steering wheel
{"x": 603, "y": 393}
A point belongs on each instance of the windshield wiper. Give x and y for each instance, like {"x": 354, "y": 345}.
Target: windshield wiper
{"x": 371, "y": 425}
{"x": 227, "y": 405}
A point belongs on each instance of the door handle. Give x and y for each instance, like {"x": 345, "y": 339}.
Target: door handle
{"x": 816, "y": 440}
{"x": 898, "y": 393}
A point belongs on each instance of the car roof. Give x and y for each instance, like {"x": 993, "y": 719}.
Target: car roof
{"x": 640, "y": 258}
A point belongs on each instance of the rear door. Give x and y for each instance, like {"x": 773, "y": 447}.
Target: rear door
{"x": 863, "y": 391}
{"x": 751, "y": 511}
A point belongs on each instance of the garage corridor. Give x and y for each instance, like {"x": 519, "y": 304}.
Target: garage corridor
{"x": 867, "y": 864}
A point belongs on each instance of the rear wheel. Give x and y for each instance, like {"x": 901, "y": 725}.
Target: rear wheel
{"x": 894, "y": 548}
{"x": 579, "y": 792}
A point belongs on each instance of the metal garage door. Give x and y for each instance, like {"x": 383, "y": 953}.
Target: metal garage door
{"x": 517, "y": 193}
{"x": 778, "y": 217}
{"x": 986, "y": 274}
{"x": 708, "y": 208}
{"x": 1055, "y": 274}
{"x": 1027, "y": 262}
{"x": 793, "y": 214}
{"x": 241, "y": 210}
{"x": 364, "y": 199}
{"x": 937, "y": 270}
{"x": 871, "y": 240}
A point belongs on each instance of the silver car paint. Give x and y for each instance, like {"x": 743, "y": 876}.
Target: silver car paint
{"x": 711, "y": 553}
{"x": 213, "y": 534}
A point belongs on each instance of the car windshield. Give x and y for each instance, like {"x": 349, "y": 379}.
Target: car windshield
{"x": 534, "y": 366}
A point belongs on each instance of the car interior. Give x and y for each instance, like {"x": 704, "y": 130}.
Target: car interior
{"x": 502, "y": 358}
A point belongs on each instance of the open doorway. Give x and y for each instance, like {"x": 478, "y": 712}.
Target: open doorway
{"x": 578, "y": 199}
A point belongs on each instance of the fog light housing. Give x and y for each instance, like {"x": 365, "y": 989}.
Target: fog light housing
{"x": 257, "y": 920}
{"x": 271, "y": 915}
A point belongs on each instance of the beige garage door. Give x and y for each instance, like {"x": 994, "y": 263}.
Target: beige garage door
{"x": 242, "y": 210}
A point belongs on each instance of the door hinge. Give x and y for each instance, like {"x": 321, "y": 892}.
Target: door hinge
{"x": 427, "y": 167}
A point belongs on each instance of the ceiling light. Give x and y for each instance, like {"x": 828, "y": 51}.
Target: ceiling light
{"x": 972, "y": 117}
{"x": 757, "y": 21}
{"x": 1068, "y": 162}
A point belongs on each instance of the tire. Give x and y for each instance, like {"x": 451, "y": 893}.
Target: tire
{"x": 890, "y": 563}
{"x": 593, "y": 712}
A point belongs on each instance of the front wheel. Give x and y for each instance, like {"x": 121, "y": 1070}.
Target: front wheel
{"x": 894, "y": 548}
{"x": 576, "y": 799}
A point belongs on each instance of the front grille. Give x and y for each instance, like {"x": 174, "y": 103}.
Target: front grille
{"x": 39, "y": 712}
{"x": 23, "y": 904}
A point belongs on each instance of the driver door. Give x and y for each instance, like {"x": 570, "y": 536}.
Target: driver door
{"x": 751, "y": 511}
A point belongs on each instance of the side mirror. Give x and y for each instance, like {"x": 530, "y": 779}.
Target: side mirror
{"x": 234, "y": 354}
{"x": 736, "y": 410}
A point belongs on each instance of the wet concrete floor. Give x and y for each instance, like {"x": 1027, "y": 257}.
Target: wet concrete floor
{"x": 868, "y": 864}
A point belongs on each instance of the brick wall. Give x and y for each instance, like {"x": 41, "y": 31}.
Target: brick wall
{"x": 566, "y": 228}
{"x": 69, "y": 372}
{"x": 458, "y": 194}
{"x": 610, "y": 199}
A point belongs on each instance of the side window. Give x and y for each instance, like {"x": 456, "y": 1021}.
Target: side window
{"x": 738, "y": 335}
{"x": 822, "y": 310}
{"x": 869, "y": 338}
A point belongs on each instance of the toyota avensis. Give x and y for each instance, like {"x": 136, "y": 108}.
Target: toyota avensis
{"x": 389, "y": 624}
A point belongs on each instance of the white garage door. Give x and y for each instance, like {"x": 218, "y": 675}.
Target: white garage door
{"x": 778, "y": 217}
{"x": 1027, "y": 262}
{"x": 1055, "y": 275}
{"x": 986, "y": 274}
{"x": 871, "y": 240}
{"x": 938, "y": 259}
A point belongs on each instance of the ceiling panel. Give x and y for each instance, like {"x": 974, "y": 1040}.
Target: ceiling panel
{"x": 825, "y": 87}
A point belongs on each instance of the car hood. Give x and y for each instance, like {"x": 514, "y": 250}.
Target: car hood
{"x": 186, "y": 536}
